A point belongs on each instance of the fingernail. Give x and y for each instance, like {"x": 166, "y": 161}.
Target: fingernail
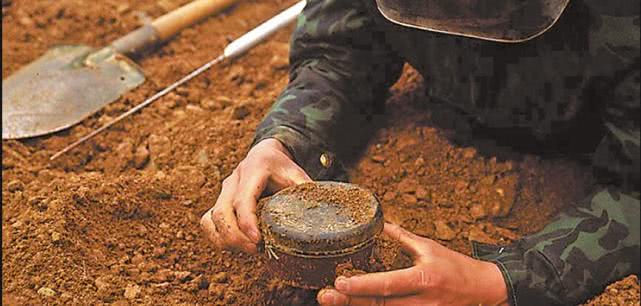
{"x": 326, "y": 298}
{"x": 254, "y": 236}
{"x": 341, "y": 284}
{"x": 250, "y": 247}
{"x": 321, "y": 299}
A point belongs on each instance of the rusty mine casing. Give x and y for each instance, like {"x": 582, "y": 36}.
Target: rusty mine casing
{"x": 311, "y": 228}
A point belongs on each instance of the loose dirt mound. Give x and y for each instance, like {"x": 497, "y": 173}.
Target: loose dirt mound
{"x": 623, "y": 292}
{"x": 116, "y": 221}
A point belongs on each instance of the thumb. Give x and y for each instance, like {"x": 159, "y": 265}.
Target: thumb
{"x": 297, "y": 175}
{"x": 288, "y": 174}
{"x": 293, "y": 173}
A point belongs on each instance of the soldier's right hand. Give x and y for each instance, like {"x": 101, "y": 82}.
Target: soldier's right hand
{"x": 232, "y": 223}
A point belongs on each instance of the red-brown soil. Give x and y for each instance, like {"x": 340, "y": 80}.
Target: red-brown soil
{"x": 116, "y": 221}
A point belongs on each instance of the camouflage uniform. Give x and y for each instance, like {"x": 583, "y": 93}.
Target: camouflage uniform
{"x": 345, "y": 55}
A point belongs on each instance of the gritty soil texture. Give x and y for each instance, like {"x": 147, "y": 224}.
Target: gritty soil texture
{"x": 354, "y": 202}
{"x": 348, "y": 270}
{"x": 300, "y": 215}
{"x": 623, "y": 292}
{"x": 116, "y": 221}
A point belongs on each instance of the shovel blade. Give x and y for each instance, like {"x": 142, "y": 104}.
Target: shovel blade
{"x": 61, "y": 88}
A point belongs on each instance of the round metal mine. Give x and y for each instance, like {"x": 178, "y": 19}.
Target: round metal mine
{"x": 311, "y": 228}
{"x": 321, "y": 218}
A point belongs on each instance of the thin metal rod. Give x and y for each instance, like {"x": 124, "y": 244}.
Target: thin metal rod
{"x": 141, "y": 105}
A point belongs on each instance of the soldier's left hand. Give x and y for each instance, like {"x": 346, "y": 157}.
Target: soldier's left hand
{"x": 439, "y": 276}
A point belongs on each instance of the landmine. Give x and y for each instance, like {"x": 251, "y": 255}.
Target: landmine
{"x": 312, "y": 228}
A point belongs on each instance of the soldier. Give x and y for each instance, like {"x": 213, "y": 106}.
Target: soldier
{"x": 548, "y": 67}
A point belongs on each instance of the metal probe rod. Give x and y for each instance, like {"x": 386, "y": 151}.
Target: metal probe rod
{"x": 139, "y": 106}
{"x": 235, "y": 48}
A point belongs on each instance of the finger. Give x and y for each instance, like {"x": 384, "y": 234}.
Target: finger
{"x": 393, "y": 283}
{"x": 224, "y": 218}
{"x": 292, "y": 171}
{"x": 297, "y": 175}
{"x": 327, "y": 297}
{"x": 209, "y": 228}
{"x": 287, "y": 173}
{"x": 331, "y": 297}
{"x": 208, "y": 218}
{"x": 229, "y": 235}
{"x": 249, "y": 190}
{"x": 409, "y": 242}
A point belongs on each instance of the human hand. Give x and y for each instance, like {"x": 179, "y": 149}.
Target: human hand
{"x": 439, "y": 276}
{"x": 232, "y": 222}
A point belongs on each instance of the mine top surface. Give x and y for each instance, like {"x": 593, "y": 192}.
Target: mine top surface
{"x": 321, "y": 217}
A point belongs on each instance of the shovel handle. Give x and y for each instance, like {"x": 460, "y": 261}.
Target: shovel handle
{"x": 168, "y": 25}
{"x": 171, "y": 23}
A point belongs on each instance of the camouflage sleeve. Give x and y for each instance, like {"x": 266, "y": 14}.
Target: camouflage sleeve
{"x": 587, "y": 247}
{"x": 574, "y": 257}
{"x": 340, "y": 72}
{"x": 596, "y": 243}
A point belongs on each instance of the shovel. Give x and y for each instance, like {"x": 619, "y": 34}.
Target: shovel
{"x": 69, "y": 83}
{"x": 234, "y": 49}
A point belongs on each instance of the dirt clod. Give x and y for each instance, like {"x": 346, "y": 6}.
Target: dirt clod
{"x": 102, "y": 283}
{"x": 623, "y": 292}
{"x": 15, "y": 185}
{"x": 422, "y": 193}
{"x": 209, "y": 104}
{"x": 409, "y": 199}
{"x": 132, "y": 291}
{"x": 378, "y": 158}
{"x": 182, "y": 275}
{"x": 279, "y": 62}
{"x": 240, "y": 112}
{"x": 348, "y": 270}
{"x": 389, "y": 196}
{"x": 444, "y": 231}
{"x": 469, "y": 153}
{"x": 159, "y": 149}
{"x": 477, "y": 234}
{"x": 220, "y": 277}
{"x": 477, "y": 211}
{"x": 217, "y": 291}
{"x": 141, "y": 157}
{"x": 46, "y": 291}
{"x": 159, "y": 251}
{"x": 224, "y": 101}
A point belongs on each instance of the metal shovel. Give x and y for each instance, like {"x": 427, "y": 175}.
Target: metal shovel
{"x": 232, "y": 50}
{"x": 69, "y": 83}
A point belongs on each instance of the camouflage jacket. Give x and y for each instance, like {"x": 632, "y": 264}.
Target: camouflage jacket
{"x": 345, "y": 55}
